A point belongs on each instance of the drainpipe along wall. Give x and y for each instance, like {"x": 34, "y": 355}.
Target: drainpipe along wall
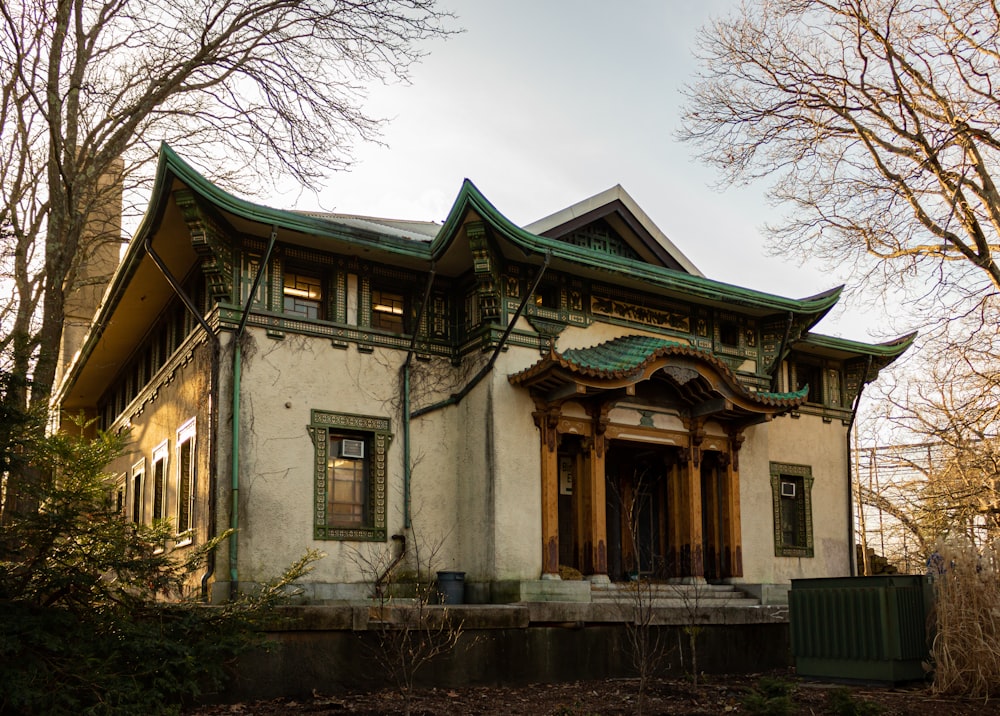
{"x": 234, "y": 515}
{"x": 455, "y": 398}
{"x": 405, "y": 371}
{"x": 852, "y": 556}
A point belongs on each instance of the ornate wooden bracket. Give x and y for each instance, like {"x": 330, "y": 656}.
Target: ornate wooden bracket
{"x": 209, "y": 242}
{"x": 696, "y": 434}
{"x": 736, "y": 440}
{"x": 486, "y": 270}
{"x": 547, "y": 420}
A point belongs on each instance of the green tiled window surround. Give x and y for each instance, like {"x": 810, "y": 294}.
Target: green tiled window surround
{"x": 791, "y": 495}
{"x": 350, "y": 471}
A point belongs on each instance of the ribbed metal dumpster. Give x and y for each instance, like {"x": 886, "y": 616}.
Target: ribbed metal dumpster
{"x": 860, "y": 628}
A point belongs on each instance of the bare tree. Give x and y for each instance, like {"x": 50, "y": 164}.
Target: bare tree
{"x": 877, "y": 122}
{"x": 941, "y": 478}
{"x": 90, "y": 88}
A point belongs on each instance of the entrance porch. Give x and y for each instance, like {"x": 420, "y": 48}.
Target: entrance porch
{"x": 639, "y": 441}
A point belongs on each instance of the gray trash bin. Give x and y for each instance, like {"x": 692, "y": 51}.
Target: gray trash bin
{"x": 451, "y": 587}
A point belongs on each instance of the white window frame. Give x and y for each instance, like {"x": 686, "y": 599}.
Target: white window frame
{"x": 137, "y": 498}
{"x": 186, "y": 434}
{"x": 161, "y": 452}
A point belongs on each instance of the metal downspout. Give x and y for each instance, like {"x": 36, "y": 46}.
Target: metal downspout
{"x": 853, "y": 553}
{"x": 455, "y": 398}
{"x": 212, "y": 409}
{"x": 234, "y": 516}
{"x": 405, "y": 370}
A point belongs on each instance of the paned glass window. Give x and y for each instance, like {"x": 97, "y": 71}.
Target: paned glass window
{"x": 303, "y": 295}
{"x": 186, "y": 474}
{"x": 350, "y": 472}
{"x": 137, "y": 487}
{"x": 159, "y": 482}
{"x": 791, "y": 490}
{"x": 388, "y": 311}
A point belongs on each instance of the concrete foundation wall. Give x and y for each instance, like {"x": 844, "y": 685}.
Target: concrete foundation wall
{"x": 329, "y": 652}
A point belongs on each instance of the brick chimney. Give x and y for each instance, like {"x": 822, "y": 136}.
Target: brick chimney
{"x": 100, "y": 253}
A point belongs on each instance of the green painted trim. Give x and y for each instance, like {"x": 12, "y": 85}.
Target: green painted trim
{"x": 470, "y": 197}
{"x": 889, "y": 349}
{"x": 805, "y": 472}
{"x": 320, "y": 424}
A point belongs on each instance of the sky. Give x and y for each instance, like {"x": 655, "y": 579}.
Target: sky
{"x": 543, "y": 103}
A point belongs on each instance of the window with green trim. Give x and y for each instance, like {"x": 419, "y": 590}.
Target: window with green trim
{"x": 791, "y": 494}
{"x": 303, "y": 294}
{"x": 389, "y": 311}
{"x": 350, "y": 469}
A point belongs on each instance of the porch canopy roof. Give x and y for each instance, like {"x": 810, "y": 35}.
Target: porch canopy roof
{"x": 704, "y": 384}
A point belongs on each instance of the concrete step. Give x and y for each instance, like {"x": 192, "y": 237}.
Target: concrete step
{"x": 681, "y": 595}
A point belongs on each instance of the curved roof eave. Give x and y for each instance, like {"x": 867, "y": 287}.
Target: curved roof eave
{"x": 305, "y": 223}
{"x": 470, "y": 197}
{"x": 890, "y": 350}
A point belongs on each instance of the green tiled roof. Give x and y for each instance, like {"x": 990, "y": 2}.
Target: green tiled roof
{"x": 630, "y": 355}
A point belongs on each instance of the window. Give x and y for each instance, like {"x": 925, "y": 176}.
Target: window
{"x": 729, "y": 333}
{"x": 350, "y": 475}
{"x": 118, "y": 495}
{"x": 186, "y": 473}
{"x": 809, "y": 375}
{"x": 547, "y": 297}
{"x": 791, "y": 490}
{"x": 137, "y": 485}
{"x": 159, "y": 481}
{"x": 388, "y": 311}
{"x": 303, "y": 295}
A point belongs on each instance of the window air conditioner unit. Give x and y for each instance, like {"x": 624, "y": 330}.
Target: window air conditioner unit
{"x": 788, "y": 489}
{"x": 352, "y": 449}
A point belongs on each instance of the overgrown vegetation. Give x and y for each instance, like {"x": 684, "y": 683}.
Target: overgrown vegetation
{"x": 94, "y": 612}
{"x": 966, "y": 643}
{"x": 410, "y": 628}
{"x": 770, "y": 697}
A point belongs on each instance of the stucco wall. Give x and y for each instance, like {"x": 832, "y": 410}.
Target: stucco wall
{"x": 475, "y": 492}
{"x": 805, "y": 440}
{"x": 176, "y": 397}
{"x": 463, "y": 517}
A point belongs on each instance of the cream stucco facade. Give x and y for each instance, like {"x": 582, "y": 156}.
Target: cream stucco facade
{"x": 511, "y": 403}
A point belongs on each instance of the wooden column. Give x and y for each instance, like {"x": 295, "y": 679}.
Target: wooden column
{"x": 732, "y": 556}
{"x": 547, "y": 421}
{"x": 595, "y": 548}
{"x": 676, "y": 521}
{"x": 692, "y": 560}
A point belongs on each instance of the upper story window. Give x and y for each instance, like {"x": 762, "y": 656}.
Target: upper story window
{"x": 303, "y": 295}
{"x": 388, "y": 311}
{"x": 547, "y": 296}
{"x": 807, "y": 374}
{"x": 729, "y": 333}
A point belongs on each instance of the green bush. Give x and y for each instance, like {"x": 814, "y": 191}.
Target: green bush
{"x": 770, "y": 697}
{"x": 93, "y": 617}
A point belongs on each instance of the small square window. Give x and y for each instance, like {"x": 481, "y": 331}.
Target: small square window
{"x": 729, "y": 333}
{"x": 388, "y": 311}
{"x": 811, "y": 376}
{"x": 303, "y": 295}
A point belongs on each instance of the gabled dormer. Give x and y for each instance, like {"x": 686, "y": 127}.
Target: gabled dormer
{"x": 612, "y": 223}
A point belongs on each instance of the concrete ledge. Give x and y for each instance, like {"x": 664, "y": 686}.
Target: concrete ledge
{"x": 366, "y": 617}
{"x": 541, "y": 590}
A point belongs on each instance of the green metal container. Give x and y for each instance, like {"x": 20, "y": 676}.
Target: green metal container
{"x": 860, "y": 628}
